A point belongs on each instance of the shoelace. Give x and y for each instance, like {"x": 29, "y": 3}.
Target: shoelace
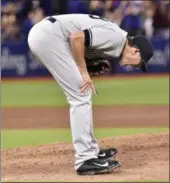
{"x": 99, "y": 161}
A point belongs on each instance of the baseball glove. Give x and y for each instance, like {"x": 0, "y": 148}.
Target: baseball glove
{"x": 98, "y": 67}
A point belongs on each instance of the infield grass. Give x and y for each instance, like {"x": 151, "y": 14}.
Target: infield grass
{"x": 18, "y": 138}
{"x": 111, "y": 92}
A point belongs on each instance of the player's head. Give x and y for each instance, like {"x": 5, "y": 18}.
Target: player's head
{"x": 137, "y": 52}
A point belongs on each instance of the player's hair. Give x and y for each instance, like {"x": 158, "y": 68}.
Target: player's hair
{"x": 130, "y": 40}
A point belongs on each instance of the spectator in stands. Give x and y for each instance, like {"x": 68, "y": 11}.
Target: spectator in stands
{"x": 150, "y": 17}
{"x": 132, "y": 18}
{"x": 10, "y": 29}
{"x": 114, "y": 10}
{"x": 160, "y": 18}
{"x": 26, "y": 6}
{"x": 33, "y": 17}
{"x": 147, "y": 13}
{"x": 97, "y": 7}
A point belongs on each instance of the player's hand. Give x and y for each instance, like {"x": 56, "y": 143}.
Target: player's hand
{"x": 88, "y": 83}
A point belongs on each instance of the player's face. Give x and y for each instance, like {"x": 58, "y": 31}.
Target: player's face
{"x": 132, "y": 57}
{"x": 135, "y": 57}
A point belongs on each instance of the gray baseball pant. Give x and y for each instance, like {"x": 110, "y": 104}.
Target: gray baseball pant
{"x": 54, "y": 51}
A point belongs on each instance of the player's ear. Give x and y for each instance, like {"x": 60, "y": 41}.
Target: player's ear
{"x": 137, "y": 50}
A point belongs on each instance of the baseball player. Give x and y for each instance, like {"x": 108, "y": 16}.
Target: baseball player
{"x": 68, "y": 45}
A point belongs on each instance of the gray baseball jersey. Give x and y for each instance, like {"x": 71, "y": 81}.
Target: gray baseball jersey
{"x": 49, "y": 41}
{"x": 104, "y": 39}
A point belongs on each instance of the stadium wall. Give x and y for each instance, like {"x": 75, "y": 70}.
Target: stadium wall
{"x": 17, "y": 60}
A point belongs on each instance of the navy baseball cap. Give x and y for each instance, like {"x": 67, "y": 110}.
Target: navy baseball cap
{"x": 146, "y": 50}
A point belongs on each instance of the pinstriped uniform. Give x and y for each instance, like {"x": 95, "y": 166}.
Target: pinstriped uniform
{"x": 49, "y": 41}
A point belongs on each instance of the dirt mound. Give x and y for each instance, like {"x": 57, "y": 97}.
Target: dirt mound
{"x": 143, "y": 157}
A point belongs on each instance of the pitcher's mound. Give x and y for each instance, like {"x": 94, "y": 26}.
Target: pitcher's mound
{"x": 143, "y": 157}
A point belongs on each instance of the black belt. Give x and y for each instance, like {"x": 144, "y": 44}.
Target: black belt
{"x": 51, "y": 19}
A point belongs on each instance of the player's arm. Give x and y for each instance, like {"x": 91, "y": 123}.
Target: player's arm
{"x": 77, "y": 40}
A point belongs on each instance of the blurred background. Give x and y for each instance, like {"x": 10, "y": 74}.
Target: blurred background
{"x": 149, "y": 17}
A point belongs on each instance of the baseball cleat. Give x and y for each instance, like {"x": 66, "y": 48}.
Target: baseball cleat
{"x": 97, "y": 166}
{"x": 107, "y": 154}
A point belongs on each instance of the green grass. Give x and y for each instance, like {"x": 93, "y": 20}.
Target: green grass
{"x": 121, "y": 91}
{"x": 18, "y": 138}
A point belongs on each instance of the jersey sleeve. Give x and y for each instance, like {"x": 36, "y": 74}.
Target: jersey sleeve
{"x": 101, "y": 38}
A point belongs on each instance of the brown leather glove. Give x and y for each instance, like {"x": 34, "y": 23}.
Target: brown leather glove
{"x": 98, "y": 67}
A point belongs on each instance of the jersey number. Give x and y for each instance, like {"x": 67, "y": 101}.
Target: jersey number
{"x": 97, "y": 17}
